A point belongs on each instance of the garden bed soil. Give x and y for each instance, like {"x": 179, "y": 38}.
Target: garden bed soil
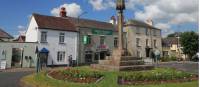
{"x": 60, "y": 76}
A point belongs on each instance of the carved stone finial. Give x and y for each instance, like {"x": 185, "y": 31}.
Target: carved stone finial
{"x": 120, "y": 5}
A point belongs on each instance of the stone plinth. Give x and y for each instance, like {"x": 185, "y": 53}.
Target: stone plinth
{"x": 116, "y": 62}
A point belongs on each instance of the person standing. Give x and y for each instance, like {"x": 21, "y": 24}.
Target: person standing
{"x": 157, "y": 55}
{"x": 70, "y": 60}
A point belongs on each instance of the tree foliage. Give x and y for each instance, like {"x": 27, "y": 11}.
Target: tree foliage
{"x": 190, "y": 43}
{"x": 171, "y": 35}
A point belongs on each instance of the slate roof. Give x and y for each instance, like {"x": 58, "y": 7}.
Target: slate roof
{"x": 69, "y": 23}
{"x": 4, "y": 34}
{"x": 87, "y": 23}
{"x": 166, "y": 42}
{"x": 139, "y": 23}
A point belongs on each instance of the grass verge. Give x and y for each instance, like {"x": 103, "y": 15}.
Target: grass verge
{"x": 110, "y": 80}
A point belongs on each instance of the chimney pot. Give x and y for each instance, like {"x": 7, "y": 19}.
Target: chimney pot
{"x": 113, "y": 20}
{"x": 63, "y": 12}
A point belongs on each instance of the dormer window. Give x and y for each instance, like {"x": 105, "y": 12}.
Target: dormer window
{"x": 43, "y": 36}
{"x": 62, "y": 38}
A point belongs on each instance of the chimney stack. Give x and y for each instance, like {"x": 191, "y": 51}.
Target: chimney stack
{"x": 113, "y": 20}
{"x": 63, "y": 12}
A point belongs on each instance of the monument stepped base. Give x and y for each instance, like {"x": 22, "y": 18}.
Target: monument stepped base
{"x": 122, "y": 63}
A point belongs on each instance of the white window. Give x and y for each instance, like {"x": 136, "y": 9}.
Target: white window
{"x": 138, "y": 42}
{"x": 154, "y": 32}
{"x": 137, "y": 30}
{"x": 60, "y": 56}
{"x": 43, "y": 36}
{"x": 62, "y": 38}
{"x": 147, "y": 42}
{"x": 115, "y": 42}
{"x": 102, "y": 40}
{"x": 147, "y": 31}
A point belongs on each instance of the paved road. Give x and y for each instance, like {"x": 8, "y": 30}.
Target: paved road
{"x": 11, "y": 79}
{"x": 192, "y": 67}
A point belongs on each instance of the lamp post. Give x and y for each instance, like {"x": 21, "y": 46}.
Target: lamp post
{"x": 79, "y": 49}
{"x": 178, "y": 46}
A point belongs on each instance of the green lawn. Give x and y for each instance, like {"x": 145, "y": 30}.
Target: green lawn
{"x": 110, "y": 80}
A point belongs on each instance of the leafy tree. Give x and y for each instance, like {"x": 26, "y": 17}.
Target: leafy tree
{"x": 175, "y": 34}
{"x": 190, "y": 43}
{"x": 171, "y": 35}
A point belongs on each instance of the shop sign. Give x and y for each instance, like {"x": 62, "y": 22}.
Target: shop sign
{"x": 102, "y": 32}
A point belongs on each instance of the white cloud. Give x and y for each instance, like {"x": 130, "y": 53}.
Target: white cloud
{"x": 166, "y": 28}
{"x": 21, "y": 30}
{"x": 174, "y": 11}
{"x": 72, "y": 9}
{"x": 165, "y": 13}
{"x": 150, "y": 12}
{"x": 102, "y": 4}
{"x": 105, "y": 4}
{"x": 169, "y": 12}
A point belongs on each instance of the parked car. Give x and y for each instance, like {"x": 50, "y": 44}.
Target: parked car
{"x": 195, "y": 58}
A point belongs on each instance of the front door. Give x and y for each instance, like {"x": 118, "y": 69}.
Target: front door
{"x": 148, "y": 52}
{"x": 43, "y": 59}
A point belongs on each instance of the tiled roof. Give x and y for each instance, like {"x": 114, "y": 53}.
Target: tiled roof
{"x": 54, "y": 23}
{"x": 69, "y": 23}
{"x": 4, "y": 34}
{"x": 139, "y": 23}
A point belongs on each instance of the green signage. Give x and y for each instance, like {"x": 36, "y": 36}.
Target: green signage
{"x": 85, "y": 38}
{"x": 102, "y": 32}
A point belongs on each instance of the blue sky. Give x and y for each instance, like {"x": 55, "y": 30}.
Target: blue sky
{"x": 14, "y": 14}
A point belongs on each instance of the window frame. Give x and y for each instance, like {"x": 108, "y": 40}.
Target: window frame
{"x": 60, "y": 56}
{"x": 62, "y": 38}
{"x": 137, "y": 30}
{"x": 115, "y": 42}
{"x": 138, "y": 42}
{"x": 155, "y": 43}
{"x": 102, "y": 38}
{"x": 147, "y": 42}
{"x": 43, "y": 37}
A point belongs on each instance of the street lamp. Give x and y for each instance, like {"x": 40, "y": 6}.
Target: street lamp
{"x": 178, "y": 46}
{"x": 78, "y": 35}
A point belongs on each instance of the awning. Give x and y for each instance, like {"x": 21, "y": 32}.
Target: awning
{"x": 44, "y": 50}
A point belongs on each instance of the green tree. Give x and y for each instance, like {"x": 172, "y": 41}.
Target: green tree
{"x": 190, "y": 43}
{"x": 171, "y": 35}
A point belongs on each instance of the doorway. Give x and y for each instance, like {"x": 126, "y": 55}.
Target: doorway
{"x": 148, "y": 52}
{"x": 17, "y": 57}
{"x": 43, "y": 59}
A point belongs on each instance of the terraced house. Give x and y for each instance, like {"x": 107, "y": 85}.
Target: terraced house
{"x": 142, "y": 38}
{"x": 60, "y": 38}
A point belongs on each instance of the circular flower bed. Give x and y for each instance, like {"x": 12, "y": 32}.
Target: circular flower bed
{"x": 75, "y": 75}
{"x": 155, "y": 76}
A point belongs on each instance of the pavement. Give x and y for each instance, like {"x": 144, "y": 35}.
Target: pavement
{"x": 188, "y": 66}
{"x": 11, "y": 77}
